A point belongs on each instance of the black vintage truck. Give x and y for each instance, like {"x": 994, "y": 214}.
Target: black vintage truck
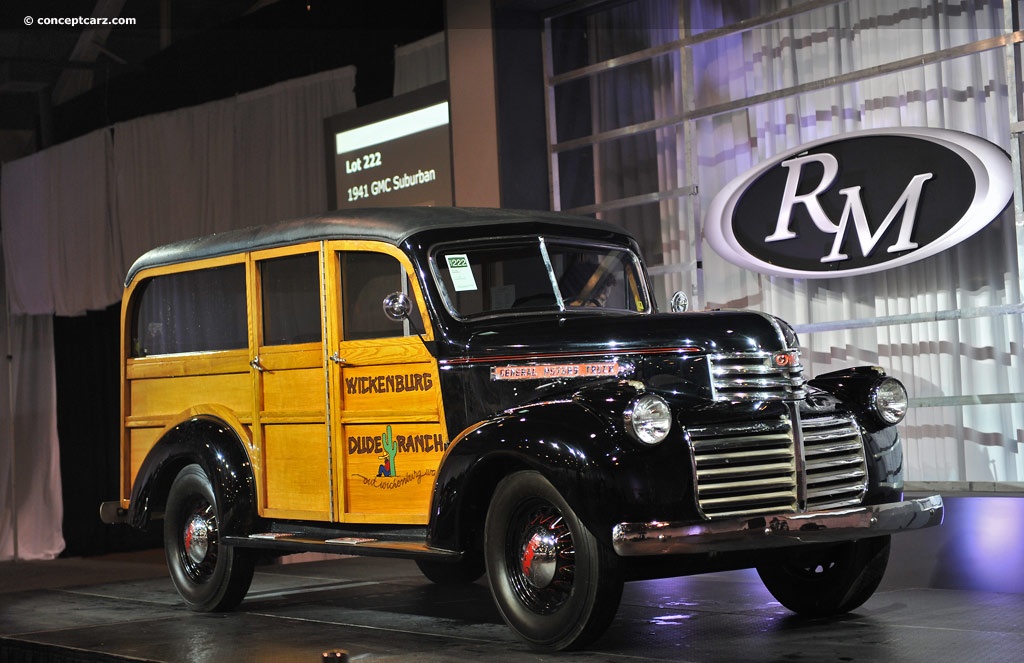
{"x": 492, "y": 392}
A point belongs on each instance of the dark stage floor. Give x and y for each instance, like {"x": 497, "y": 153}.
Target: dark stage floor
{"x": 123, "y": 607}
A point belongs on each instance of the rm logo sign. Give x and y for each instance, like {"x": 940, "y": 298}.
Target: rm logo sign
{"x": 860, "y": 203}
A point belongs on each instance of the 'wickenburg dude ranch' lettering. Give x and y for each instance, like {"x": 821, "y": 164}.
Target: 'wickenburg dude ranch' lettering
{"x": 872, "y": 200}
{"x": 388, "y": 384}
{"x": 373, "y": 444}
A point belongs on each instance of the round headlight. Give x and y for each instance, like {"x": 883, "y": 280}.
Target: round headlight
{"x": 889, "y": 400}
{"x": 648, "y": 419}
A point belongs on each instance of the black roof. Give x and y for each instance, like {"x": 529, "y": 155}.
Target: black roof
{"x": 387, "y": 224}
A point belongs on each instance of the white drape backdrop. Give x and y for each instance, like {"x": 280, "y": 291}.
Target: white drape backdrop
{"x": 56, "y": 220}
{"x": 945, "y": 364}
{"x": 421, "y": 63}
{"x": 77, "y": 215}
{"x": 29, "y": 471}
{"x": 941, "y": 324}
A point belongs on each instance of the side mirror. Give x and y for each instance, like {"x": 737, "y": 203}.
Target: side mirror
{"x": 397, "y": 306}
{"x": 679, "y": 302}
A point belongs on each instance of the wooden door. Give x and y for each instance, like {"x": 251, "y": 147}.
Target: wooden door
{"x": 388, "y": 428}
{"x": 288, "y": 353}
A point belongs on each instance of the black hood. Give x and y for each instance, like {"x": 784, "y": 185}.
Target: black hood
{"x": 607, "y": 333}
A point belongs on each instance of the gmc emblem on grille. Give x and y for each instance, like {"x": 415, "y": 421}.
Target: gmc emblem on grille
{"x": 865, "y": 202}
{"x": 785, "y": 359}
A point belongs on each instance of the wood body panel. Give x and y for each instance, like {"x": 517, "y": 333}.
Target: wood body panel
{"x": 156, "y": 397}
{"x": 335, "y": 430}
{"x": 385, "y": 395}
{"x": 290, "y": 395}
{"x": 295, "y": 391}
{"x": 390, "y": 470}
{"x": 296, "y": 470}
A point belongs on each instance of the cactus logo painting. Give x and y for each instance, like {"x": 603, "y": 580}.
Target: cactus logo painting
{"x": 859, "y": 203}
{"x": 395, "y": 456}
{"x": 387, "y": 443}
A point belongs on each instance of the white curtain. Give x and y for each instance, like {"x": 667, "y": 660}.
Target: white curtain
{"x": 56, "y": 219}
{"x": 77, "y": 215}
{"x": 945, "y": 364}
{"x": 420, "y": 63}
{"x": 173, "y": 177}
{"x": 31, "y": 511}
{"x": 955, "y": 350}
{"x": 246, "y": 161}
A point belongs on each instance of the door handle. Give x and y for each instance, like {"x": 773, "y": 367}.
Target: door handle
{"x": 255, "y": 363}
{"x": 338, "y": 359}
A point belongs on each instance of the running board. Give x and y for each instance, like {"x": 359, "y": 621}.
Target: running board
{"x": 344, "y": 545}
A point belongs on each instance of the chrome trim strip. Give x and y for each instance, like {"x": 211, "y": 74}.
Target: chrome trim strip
{"x": 754, "y": 375}
{"x": 569, "y": 354}
{"x": 775, "y": 531}
{"x": 911, "y": 318}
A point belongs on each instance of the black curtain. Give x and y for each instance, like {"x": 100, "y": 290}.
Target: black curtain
{"x": 86, "y": 350}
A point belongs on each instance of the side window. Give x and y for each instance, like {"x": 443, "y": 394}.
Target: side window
{"x": 290, "y": 289}
{"x": 197, "y": 311}
{"x": 366, "y": 279}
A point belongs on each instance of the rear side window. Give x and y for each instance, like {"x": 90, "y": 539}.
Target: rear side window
{"x": 291, "y": 299}
{"x": 196, "y": 311}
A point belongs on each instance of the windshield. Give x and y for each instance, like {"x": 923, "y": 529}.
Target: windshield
{"x": 534, "y": 273}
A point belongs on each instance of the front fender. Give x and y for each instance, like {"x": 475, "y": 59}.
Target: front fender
{"x": 216, "y": 447}
{"x": 853, "y": 387}
{"x": 581, "y": 449}
{"x": 885, "y": 466}
{"x": 554, "y": 438}
{"x": 884, "y": 450}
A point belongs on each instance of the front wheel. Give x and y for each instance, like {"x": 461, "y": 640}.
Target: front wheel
{"x": 553, "y": 581}
{"x": 828, "y": 580}
{"x": 208, "y": 575}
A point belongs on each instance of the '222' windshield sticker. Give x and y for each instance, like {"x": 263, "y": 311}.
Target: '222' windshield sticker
{"x": 461, "y": 272}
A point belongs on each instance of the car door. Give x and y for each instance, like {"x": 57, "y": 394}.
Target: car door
{"x": 388, "y": 423}
{"x": 289, "y": 374}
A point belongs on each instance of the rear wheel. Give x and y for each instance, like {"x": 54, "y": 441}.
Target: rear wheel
{"x": 828, "y": 580}
{"x": 554, "y": 583}
{"x": 208, "y": 575}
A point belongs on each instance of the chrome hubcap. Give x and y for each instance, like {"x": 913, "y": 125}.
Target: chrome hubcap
{"x": 539, "y": 559}
{"x": 197, "y": 538}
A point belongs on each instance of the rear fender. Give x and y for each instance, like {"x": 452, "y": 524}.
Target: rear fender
{"x": 214, "y": 445}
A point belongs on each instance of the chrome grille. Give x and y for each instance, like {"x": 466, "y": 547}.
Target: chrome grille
{"x": 834, "y": 462}
{"x": 748, "y": 469}
{"x": 754, "y": 376}
{"x": 744, "y": 469}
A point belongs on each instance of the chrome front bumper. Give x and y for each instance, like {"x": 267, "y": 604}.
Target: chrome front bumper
{"x": 775, "y": 531}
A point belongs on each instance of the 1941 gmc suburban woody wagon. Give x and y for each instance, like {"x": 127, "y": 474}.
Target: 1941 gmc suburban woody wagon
{"x": 488, "y": 391}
